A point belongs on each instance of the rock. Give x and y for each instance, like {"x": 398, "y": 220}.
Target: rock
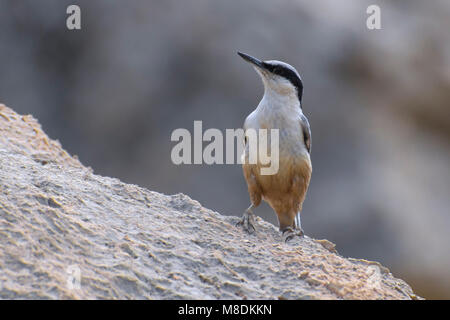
{"x": 67, "y": 233}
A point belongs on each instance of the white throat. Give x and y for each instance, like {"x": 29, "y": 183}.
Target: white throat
{"x": 277, "y": 101}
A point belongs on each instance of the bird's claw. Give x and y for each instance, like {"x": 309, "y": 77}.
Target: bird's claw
{"x": 289, "y": 233}
{"x": 247, "y": 222}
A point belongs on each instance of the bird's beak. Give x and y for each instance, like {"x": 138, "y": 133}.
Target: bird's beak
{"x": 252, "y": 60}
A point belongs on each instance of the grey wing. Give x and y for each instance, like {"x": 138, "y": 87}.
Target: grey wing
{"x": 244, "y": 127}
{"x": 306, "y": 132}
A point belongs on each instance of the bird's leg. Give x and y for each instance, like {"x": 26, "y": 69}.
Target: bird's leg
{"x": 294, "y": 230}
{"x": 298, "y": 225}
{"x": 248, "y": 220}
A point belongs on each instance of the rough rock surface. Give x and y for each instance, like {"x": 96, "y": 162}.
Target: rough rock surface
{"x": 59, "y": 222}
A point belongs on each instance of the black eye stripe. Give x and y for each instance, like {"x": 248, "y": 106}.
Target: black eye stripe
{"x": 288, "y": 74}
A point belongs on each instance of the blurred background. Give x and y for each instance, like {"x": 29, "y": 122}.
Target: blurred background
{"x": 378, "y": 102}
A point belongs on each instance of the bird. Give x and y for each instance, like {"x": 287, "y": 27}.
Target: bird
{"x": 280, "y": 108}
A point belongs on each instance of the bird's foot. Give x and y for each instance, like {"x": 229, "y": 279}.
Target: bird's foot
{"x": 289, "y": 233}
{"x": 248, "y": 221}
{"x": 300, "y": 232}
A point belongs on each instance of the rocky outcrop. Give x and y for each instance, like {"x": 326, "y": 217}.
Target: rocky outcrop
{"x": 67, "y": 233}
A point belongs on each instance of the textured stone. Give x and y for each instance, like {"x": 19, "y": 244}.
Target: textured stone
{"x": 127, "y": 242}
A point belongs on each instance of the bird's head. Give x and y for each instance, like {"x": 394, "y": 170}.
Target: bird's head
{"x": 277, "y": 76}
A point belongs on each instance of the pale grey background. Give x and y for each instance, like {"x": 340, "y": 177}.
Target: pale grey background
{"x": 377, "y": 101}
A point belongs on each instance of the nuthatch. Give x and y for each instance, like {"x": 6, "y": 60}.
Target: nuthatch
{"x": 280, "y": 108}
